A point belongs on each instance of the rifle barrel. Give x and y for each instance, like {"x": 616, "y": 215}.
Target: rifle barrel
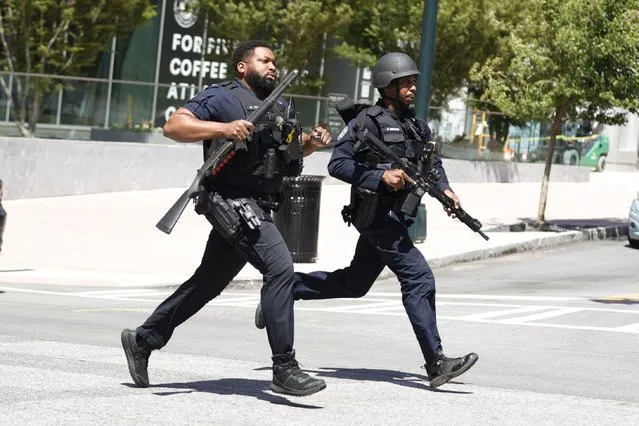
{"x": 430, "y": 187}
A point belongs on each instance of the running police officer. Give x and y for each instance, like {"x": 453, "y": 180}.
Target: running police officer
{"x": 250, "y": 182}
{"x": 377, "y": 197}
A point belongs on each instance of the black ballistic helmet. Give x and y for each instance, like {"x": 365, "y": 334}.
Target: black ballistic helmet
{"x": 391, "y": 66}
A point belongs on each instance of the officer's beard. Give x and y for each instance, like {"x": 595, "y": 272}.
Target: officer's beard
{"x": 403, "y": 105}
{"x": 260, "y": 84}
{"x": 400, "y": 103}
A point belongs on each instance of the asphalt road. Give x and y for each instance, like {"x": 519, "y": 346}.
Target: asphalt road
{"x": 557, "y": 333}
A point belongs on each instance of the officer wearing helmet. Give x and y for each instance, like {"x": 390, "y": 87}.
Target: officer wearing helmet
{"x": 377, "y": 192}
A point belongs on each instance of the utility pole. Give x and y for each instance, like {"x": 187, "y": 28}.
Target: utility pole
{"x": 426, "y": 58}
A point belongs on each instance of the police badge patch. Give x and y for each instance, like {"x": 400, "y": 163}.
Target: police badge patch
{"x": 342, "y": 133}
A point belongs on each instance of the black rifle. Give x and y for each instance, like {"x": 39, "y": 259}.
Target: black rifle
{"x": 423, "y": 184}
{"x": 218, "y": 159}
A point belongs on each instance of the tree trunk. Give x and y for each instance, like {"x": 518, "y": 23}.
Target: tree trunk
{"x": 23, "y": 129}
{"x": 21, "y": 117}
{"x": 35, "y": 108}
{"x": 11, "y": 104}
{"x": 543, "y": 196}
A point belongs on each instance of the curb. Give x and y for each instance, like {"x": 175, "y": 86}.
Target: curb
{"x": 124, "y": 281}
{"x": 556, "y": 239}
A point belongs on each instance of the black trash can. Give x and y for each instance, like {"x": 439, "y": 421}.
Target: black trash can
{"x": 298, "y": 216}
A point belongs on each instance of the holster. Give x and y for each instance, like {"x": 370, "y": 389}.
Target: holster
{"x": 228, "y": 217}
{"x": 361, "y": 211}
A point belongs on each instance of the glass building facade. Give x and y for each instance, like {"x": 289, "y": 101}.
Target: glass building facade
{"x": 143, "y": 77}
{"x": 139, "y": 80}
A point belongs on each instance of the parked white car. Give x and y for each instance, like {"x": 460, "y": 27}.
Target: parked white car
{"x": 633, "y": 223}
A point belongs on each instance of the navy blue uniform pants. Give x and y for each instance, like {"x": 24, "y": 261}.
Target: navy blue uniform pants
{"x": 263, "y": 248}
{"x": 384, "y": 243}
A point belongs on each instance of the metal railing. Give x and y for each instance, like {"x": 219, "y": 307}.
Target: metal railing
{"x": 111, "y": 103}
{"x": 88, "y": 104}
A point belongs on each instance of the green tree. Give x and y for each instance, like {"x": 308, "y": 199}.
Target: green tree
{"x": 297, "y": 30}
{"x": 573, "y": 60}
{"x": 465, "y": 35}
{"x": 365, "y": 30}
{"x": 503, "y": 15}
{"x": 59, "y": 38}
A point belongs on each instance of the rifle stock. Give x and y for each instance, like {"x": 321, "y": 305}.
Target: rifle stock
{"x": 424, "y": 184}
{"x": 218, "y": 159}
{"x": 171, "y": 217}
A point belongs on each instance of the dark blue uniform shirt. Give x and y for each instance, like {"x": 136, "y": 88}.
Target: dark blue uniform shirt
{"x": 344, "y": 165}
{"x": 217, "y": 103}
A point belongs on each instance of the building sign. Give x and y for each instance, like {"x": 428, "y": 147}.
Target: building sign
{"x": 189, "y": 57}
{"x": 335, "y": 122}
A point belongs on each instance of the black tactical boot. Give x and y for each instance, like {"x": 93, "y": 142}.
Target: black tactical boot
{"x": 442, "y": 369}
{"x": 259, "y": 317}
{"x": 137, "y": 356}
{"x": 289, "y": 379}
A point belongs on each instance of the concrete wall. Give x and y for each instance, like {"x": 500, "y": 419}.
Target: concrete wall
{"x": 42, "y": 167}
{"x": 624, "y": 145}
{"x": 34, "y": 168}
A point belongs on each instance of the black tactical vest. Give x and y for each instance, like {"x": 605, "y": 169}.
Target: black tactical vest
{"x": 400, "y": 133}
{"x": 266, "y": 135}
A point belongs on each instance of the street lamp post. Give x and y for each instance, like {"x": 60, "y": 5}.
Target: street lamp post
{"x": 426, "y": 58}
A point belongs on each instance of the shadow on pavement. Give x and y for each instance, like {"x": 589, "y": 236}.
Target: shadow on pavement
{"x": 589, "y": 223}
{"x": 242, "y": 387}
{"x": 615, "y": 301}
{"x": 528, "y": 224}
{"x": 400, "y": 378}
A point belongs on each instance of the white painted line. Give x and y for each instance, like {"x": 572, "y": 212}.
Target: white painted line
{"x": 230, "y": 300}
{"x": 527, "y": 324}
{"x": 117, "y": 279}
{"x": 490, "y": 297}
{"x": 248, "y": 304}
{"x": 121, "y": 294}
{"x": 492, "y": 314}
{"x": 542, "y": 315}
{"x": 504, "y": 297}
{"x": 577, "y": 327}
{"x": 131, "y": 291}
{"x": 631, "y": 328}
{"x": 368, "y": 307}
{"x": 57, "y": 293}
{"x": 381, "y": 309}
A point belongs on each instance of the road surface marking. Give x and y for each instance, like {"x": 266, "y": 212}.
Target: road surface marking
{"x": 491, "y": 297}
{"x": 367, "y": 307}
{"x": 493, "y": 314}
{"x": 631, "y": 328}
{"x": 542, "y": 315}
{"x": 111, "y": 310}
{"x": 382, "y": 304}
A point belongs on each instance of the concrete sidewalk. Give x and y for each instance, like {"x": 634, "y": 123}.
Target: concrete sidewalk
{"x": 110, "y": 239}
